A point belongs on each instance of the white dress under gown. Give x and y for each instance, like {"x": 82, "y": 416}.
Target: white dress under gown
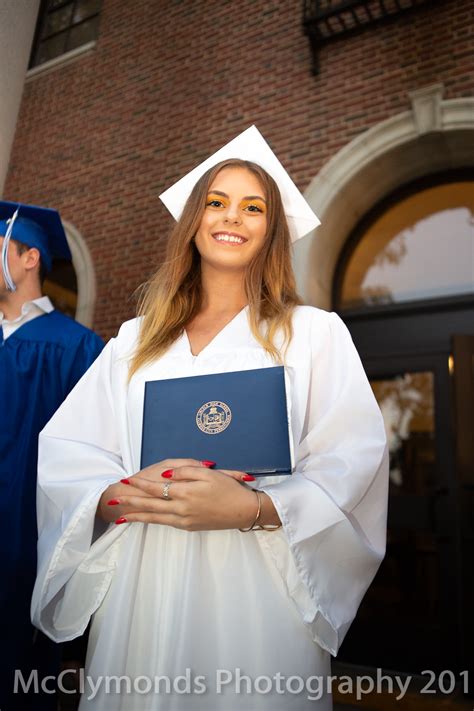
{"x": 188, "y": 612}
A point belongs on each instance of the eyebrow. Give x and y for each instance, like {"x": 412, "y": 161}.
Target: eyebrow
{"x": 246, "y": 197}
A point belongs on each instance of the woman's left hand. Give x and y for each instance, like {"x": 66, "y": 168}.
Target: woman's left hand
{"x": 199, "y": 499}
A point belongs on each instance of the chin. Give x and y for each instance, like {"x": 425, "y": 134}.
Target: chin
{"x": 230, "y": 263}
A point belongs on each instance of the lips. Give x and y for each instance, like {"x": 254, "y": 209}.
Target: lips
{"x": 231, "y": 238}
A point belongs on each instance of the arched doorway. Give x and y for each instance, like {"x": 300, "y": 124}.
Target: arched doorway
{"x": 417, "y": 349}
{"x": 71, "y": 286}
{"x": 404, "y": 285}
{"x": 435, "y": 135}
{"x": 60, "y": 285}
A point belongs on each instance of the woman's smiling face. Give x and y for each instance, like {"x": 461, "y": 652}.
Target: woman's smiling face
{"x": 234, "y": 223}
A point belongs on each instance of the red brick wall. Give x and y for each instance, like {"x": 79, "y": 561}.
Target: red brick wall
{"x": 170, "y": 82}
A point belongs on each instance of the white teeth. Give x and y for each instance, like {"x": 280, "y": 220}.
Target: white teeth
{"x": 228, "y": 238}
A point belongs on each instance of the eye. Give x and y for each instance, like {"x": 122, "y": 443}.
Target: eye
{"x": 214, "y": 203}
{"x": 253, "y": 208}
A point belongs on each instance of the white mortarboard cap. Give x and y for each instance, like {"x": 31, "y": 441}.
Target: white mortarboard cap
{"x": 249, "y": 145}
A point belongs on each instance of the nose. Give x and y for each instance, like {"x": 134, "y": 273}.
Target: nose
{"x": 232, "y": 214}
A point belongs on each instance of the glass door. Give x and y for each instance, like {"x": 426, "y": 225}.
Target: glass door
{"x": 409, "y": 614}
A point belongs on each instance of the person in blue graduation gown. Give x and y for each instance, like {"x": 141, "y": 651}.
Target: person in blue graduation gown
{"x": 43, "y": 354}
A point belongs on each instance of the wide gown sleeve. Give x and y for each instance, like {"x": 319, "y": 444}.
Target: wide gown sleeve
{"x": 334, "y": 507}
{"x": 79, "y": 457}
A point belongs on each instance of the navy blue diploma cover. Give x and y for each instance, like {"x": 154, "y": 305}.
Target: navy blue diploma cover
{"x": 238, "y": 420}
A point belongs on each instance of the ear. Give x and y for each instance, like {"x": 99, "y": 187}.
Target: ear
{"x": 31, "y": 258}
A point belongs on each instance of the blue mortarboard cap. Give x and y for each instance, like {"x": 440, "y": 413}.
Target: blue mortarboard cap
{"x": 39, "y": 227}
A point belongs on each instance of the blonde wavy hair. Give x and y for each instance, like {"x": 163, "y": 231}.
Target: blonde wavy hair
{"x": 172, "y": 297}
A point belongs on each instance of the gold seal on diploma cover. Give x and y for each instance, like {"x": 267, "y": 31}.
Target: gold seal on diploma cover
{"x": 213, "y": 417}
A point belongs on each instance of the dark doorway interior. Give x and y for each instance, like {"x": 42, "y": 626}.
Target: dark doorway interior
{"x": 418, "y": 613}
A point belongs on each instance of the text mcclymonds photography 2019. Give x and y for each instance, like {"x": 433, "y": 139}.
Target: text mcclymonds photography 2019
{"x": 71, "y": 681}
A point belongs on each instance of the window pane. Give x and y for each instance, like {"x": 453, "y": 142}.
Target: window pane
{"x": 86, "y": 8}
{"x": 409, "y": 580}
{"x": 83, "y": 33}
{"x": 407, "y": 405}
{"x": 422, "y": 247}
{"x": 65, "y": 25}
{"x": 51, "y": 48}
{"x": 57, "y": 21}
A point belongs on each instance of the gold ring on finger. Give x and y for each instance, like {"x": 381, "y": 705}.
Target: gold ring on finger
{"x": 166, "y": 489}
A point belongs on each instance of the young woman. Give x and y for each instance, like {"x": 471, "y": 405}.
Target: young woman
{"x": 192, "y": 611}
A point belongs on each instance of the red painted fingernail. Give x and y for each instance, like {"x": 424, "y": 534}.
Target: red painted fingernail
{"x": 113, "y": 502}
{"x": 168, "y": 474}
{"x": 248, "y": 477}
{"x": 125, "y": 481}
{"x": 207, "y": 463}
{"x": 122, "y": 519}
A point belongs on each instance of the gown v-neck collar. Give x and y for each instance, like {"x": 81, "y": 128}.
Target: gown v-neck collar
{"x": 224, "y": 339}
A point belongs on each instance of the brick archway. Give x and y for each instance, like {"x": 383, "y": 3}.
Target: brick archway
{"x": 434, "y": 135}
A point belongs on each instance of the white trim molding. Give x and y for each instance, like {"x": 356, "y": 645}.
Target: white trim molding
{"x": 434, "y": 135}
{"x": 85, "y": 274}
{"x": 67, "y": 58}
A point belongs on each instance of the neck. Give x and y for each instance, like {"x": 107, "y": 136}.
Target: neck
{"x": 12, "y": 301}
{"x": 222, "y": 292}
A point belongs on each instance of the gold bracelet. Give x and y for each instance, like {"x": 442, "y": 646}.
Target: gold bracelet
{"x": 259, "y": 510}
{"x": 260, "y": 526}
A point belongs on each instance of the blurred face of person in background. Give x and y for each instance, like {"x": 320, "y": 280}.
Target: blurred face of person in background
{"x": 24, "y": 267}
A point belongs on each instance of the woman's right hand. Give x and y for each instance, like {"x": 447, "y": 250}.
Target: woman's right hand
{"x": 110, "y": 512}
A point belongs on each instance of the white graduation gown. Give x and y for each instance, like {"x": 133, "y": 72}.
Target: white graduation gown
{"x": 172, "y": 603}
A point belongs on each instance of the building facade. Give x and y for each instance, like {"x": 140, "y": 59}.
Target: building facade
{"x": 370, "y": 107}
